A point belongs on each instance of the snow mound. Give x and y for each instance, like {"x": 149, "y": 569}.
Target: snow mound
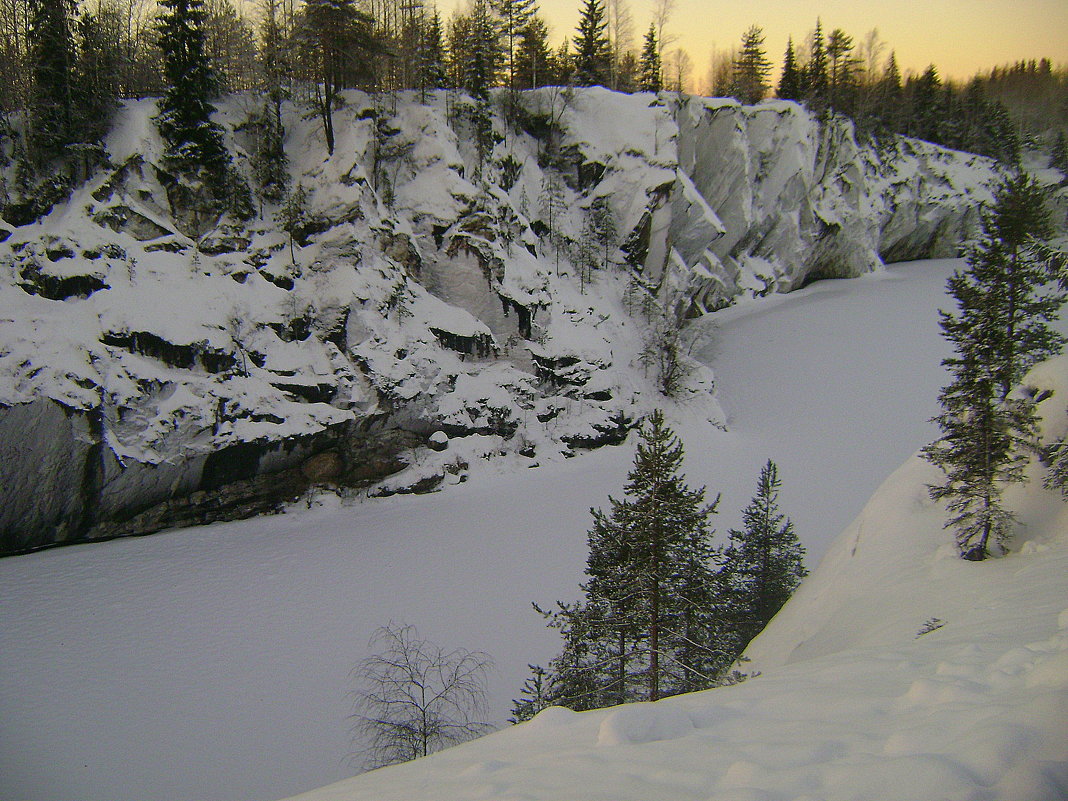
{"x": 634, "y": 725}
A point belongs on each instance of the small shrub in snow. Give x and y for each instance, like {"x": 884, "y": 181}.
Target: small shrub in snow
{"x": 932, "y": 624}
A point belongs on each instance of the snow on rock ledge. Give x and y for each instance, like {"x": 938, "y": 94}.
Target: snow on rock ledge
{"x": 156, "y": 350}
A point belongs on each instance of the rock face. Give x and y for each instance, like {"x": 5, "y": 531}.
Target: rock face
{"x": 161, "y": 364}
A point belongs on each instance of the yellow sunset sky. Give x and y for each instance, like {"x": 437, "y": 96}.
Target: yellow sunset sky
{"x": 959, "y": 36}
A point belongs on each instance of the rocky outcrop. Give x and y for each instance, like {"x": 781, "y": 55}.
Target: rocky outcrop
{"x": 166, "y": 363}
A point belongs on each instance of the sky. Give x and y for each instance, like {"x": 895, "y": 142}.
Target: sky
{"x": 960, "y": 37}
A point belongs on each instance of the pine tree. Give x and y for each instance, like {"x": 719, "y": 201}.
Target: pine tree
{"x": 535, "y": 696}
{"x": 431, "y": 68}
{"x": 790, "y": 84}
{"x": 842, "y": 77}
{"x": 484, "y": 52}
{"x": 1059, "y": 158}
{"x": 332, "y": 33}
{"x": 194, "y": 142}
{"x": 1020, "y": 221}
{"x": 533, "y": 66}
{"x": 1001, "y": 329}
{"x": 52, "y": 52}
{"x": 664, "y": 525}
{"x": 751, "y": 68}
{"x": 515, "y": 16}
{"x": 649, "y": 69}
{"x": 593, "y": 53}
{"x": 925, "y": 117}
{"x": 763, "y": 564}
{"x": 816, "y": 71}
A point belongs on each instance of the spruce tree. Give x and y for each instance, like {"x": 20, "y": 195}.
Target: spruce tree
{"x": 816, "y": 71}
{"x": 1001, "y": 328}
{"x": 647, "y": 625}
{"x": 790, "y": 84}
{"x": 194, "y": 142}
{"x": 534, "y": 58}
{"x": 763, "y": 563}
{"x": 53, "y": 55}
{"x": 751, "y": 68}
{"x": 593, "y": 53}
{"x": 1059, "y": 157}
{"x": 649, "y": 69}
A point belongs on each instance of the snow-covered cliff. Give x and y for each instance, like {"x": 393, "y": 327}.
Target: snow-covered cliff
{"x": 161, "y": 364}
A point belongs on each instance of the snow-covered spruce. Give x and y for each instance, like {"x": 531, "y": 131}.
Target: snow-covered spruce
{"x": 159, "y": 351}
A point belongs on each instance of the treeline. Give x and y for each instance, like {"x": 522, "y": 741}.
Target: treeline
{"x": 832, "y": 73}
{"x": 67, "y": 65}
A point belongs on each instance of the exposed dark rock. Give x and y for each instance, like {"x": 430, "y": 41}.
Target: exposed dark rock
{"x": 323, "y": 468}
{"x": 121, "y": 218}
{"x": 183, "y": 356}
{"x": 34, "y": 282}
{"x": 63, "y": 485}
{"x": 613, "y": 432}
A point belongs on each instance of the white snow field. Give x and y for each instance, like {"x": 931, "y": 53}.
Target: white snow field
{"x": 212, "y": 663}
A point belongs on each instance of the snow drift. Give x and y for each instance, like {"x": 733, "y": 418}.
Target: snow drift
{"x": 166, "y": 365}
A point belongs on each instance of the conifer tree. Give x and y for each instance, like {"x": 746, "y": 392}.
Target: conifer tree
{"x": 790, "y": 84}
{"x": 1059, "y": 159}
{"x": 751, "y": 68}
{"x": 646, "y": 627}
{"x": 533, "y": 66}
{"x": 332, "y": 35}
{"x": 53, "y": 54}
{"x": 431, "y": 67}
{"x": 816, "y": 70}
{"x": 763, "y": 564}
{"x": 515, "y": 16}
{"x": 593, "y": 53}
{"x": 649, "y": 68}
{"x": 1020, "y": 222}
{"x": 1000, "y": 329}
{"x": 194, "y": 142}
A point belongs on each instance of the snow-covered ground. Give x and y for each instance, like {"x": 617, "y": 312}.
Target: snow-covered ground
{"x": 213, "y": 662}
{"x": 925, "y": 677}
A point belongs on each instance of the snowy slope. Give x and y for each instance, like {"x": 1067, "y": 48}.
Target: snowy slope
{"x": 910, "y": 675}
{"x": 213, "y": 662}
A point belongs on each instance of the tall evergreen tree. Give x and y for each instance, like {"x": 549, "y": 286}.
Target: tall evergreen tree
{"x": 649, "y": 69}
{"x": 1059, "y": 156}
{"x": 515, "y": 16}
{"x": 194, "y": 142}
{"x": 533, "y": 66}
{"x": 1020, "y": 221}
{"x": 842, "y": 77}
{"x": 53, "y": 56}
{"x": 333, "y": 35}
{"x": 1001, "y": 328}
{"x": 790, "y": 84}
{"x": 816, "y": 79}
{"x": 484, "y": 52}
{"x": 593, "y": 52}
{"x": 646, "y": 627}
{"x": 751, "y": 68}
{"x": 431, "y": 68}
{"x": 925, "y": 117}
{"x": 763, "y": 564}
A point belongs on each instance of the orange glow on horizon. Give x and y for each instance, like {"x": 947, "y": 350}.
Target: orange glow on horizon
{"x": 960, "y": 37}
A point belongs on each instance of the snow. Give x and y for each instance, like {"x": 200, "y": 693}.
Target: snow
{"x": 213, "y": 662}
